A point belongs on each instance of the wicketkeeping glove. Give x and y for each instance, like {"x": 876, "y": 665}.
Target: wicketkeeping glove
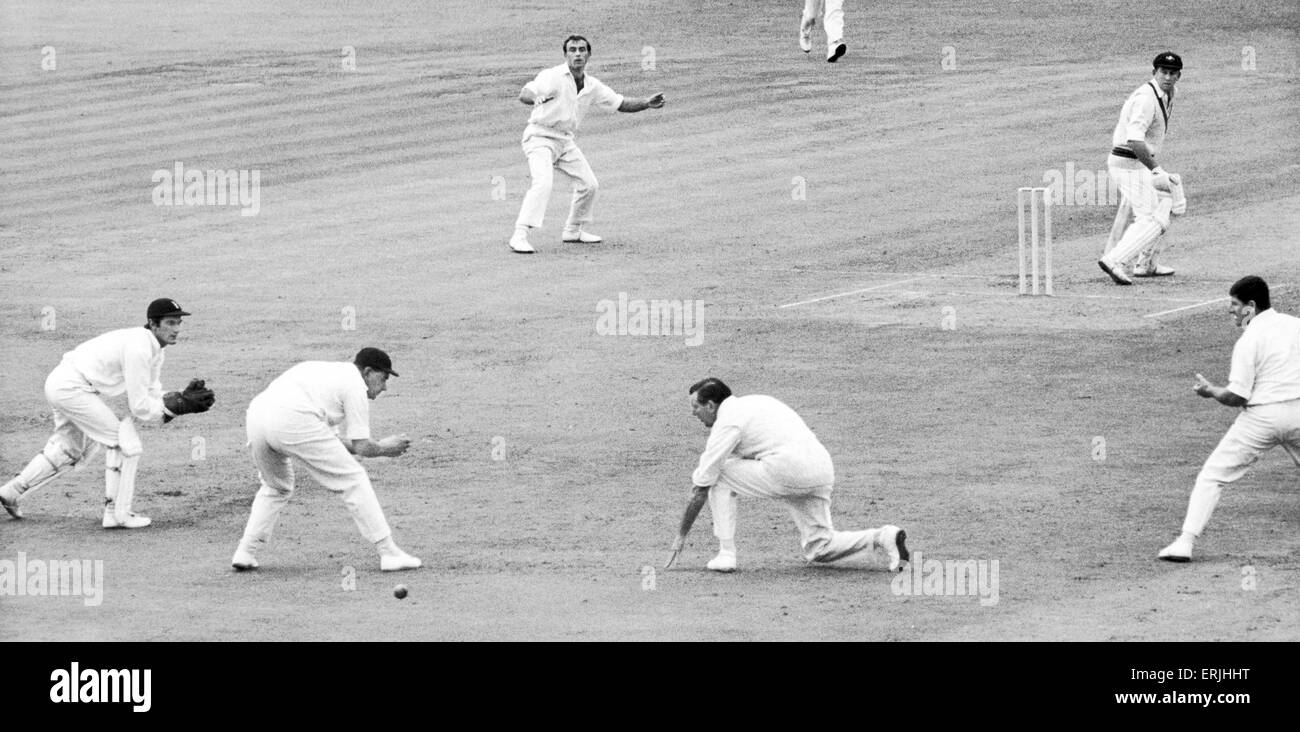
{"x": 195, "y": 398}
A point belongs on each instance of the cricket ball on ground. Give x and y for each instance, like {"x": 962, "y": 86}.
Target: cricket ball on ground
{"x": 399, "y": 591}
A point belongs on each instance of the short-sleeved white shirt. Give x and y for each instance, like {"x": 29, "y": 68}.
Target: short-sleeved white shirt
{"x": 126, "y": 360}
{"x": 1266, "y": 360}
{"x": 332, "y": 391}
{"x": 560, "y": 117}
{"x": 1142, "y": 118}
{"x": 758, "y": 427}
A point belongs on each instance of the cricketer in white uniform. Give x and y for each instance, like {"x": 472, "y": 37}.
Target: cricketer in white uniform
{"x": 319, "y": 413}
{"x": 1265, "y": 382}
{"x": 832, "y": 14}
{"x": 760, "y": 447}
{"x": 560, "y": 96}
{"x": 126, "y": 361}
{"x": 1149, "y": 192}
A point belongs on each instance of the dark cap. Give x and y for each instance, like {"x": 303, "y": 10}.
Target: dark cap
{"x": 1168, "y": 60}
{"x": 164, "y": 307}
{"x": 375, "y": 359}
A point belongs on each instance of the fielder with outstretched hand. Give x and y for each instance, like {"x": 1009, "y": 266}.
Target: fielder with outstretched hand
{"x": 319, "y": 413}
{"x": 560, "y": 96}
{"x": 760, "y": 447}
{"x": 1264, "y": 383}
{"x": 127, "y": 361}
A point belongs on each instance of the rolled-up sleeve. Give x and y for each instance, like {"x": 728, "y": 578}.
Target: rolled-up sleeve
{"x": 722, "y": 442}
{"x": 540, "y": 85}
{"x": 1241, "y": 379}
{"x": 356, "y": 413}
{"x": 606, "y": 98}
{"x": 1140, "y": 117}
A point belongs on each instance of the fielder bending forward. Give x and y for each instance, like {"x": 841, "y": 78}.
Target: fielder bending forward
{"x": 126, "y": 360}
{"x": 297, "y": 417}
{"x": 560, "y": 96}
{"x": 1265, "y": 383}
{"x": 760, "y": 447}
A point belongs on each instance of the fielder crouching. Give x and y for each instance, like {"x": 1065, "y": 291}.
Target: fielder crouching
{"x": 128, "y": 360}
{"x": 297, "y": 416}
{"x": 760, "y": 447}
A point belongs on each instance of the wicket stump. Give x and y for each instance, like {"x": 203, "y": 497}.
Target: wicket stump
{"x": 1034, "y": 195}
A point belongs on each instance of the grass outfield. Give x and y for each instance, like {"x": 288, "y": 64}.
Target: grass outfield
{"x": 874, "y": 198}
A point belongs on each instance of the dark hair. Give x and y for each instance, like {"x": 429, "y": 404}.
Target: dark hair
{"x": 710, "y": 390}
{"x": 1250, "y": 288}
{"x": 565, "y": 48}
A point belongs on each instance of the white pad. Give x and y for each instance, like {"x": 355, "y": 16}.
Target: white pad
{"x": 112, "y": 473}
{"x": 1121, "y": 223}
{"x": 128, "y": 438}
{"x": 125, "y": 487}
{"x": 1141, "y": 234}
{"x": 54, "y": 460}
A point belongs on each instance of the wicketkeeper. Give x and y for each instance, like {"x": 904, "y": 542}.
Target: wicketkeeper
{"x": 127, "y": 361}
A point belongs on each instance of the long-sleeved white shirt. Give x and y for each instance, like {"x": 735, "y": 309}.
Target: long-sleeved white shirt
{"x": 1142, "y": 118}
{"x": 559, "y": 118}
{"x": 126, "y": 360}
{"x": 1266, "y": 360}
{"x": 332, "y": 391}
{"x": 758, "y": 427}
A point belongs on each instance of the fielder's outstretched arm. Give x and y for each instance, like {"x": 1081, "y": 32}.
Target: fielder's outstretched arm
{"x": 641, "y": 105}
{"x": 1219, "y": 394}
{"x": 698, "y": 499}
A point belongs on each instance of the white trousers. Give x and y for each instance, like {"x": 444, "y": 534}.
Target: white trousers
{"x": 274, "y": 437}
{"x": 81, "y": 418}
{"x": 1151, "y": 210}
{"x": 1255, "y": 431}
{"x": 809, "y": 507}
{"x": 832, "y": 14}
{"x": 546, "y": 155}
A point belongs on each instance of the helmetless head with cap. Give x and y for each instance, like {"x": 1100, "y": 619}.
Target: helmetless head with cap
{"x": 164, "y": 320}
{"x": 1167, "y": 69}
{"x": 375, "y": 367}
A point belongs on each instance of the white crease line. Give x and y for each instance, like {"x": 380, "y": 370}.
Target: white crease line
{"x": 1185, "y": 307}
{"x": 1272, "y": 289}
{"x": 846, "y": 294}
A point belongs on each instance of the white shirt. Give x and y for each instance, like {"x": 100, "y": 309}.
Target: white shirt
{"x": 758, "y": 427}
{"x": 332, "y": 391}
{"x": 1266, "y": 360}
{"x": 126, "y": 360}
{"x": 560, "y": 117}
{"x": 1141, "y": 118}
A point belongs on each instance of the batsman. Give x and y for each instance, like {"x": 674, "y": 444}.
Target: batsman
{"x": 760, "y": 447}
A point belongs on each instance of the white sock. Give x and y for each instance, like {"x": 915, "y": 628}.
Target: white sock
{"x": 727, "y": 546}
{"x": 387, "y": 547}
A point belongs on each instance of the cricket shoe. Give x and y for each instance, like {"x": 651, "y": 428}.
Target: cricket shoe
{"x": 837, "y": 49}
{"x": 9, "y": 501}
{"x": 1116, "y": 272}
{"x": 243, "y": 560}
{"x": 580, "y": 237}
{"x": 1153, "y": 270}
{"x": 132, "y": 521}
{"x": 724, "y": 562}
{"x": 894, "y": 540}
{"x": 399, "y": 561}
{"x": 1179, "y": 551}
{"x": 519, "y": 243}
{"x": 805, "y": 34}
